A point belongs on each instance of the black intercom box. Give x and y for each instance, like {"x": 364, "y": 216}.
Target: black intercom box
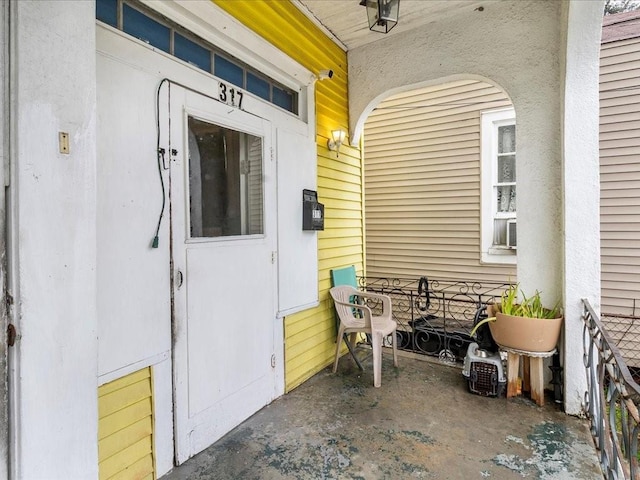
{"x": 312, "y": 211}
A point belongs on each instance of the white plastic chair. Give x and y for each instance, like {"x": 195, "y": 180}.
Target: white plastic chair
{"x": 355, "y": 316}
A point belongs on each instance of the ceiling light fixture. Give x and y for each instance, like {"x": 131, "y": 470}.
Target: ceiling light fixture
{"x": 382, "y": 14}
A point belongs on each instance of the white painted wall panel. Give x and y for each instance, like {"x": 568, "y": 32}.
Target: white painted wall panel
{"x": 133, "y": 278}
{"x": 53, "y": 258}
{"x": 297, "y": 249}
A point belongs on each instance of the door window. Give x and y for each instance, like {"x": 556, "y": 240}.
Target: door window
{"x": 225, "y": 181}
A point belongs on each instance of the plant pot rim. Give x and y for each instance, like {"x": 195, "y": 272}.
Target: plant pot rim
{"x": 526, "y": 333}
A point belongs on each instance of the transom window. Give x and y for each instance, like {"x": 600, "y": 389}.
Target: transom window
{"x": 160, "y": 32}
{"x": 499, "y": 231}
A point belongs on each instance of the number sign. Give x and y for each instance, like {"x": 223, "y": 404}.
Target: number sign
{"x": 230, "y": 95}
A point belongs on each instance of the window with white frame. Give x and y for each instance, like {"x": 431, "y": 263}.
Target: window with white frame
{"x": 498, "y": 223}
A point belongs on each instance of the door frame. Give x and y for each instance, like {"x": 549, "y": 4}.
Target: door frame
{"x": 6, "y": 284}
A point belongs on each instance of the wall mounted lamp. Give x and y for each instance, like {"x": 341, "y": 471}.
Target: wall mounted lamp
{"x": 382, "y": 14}
{"x": 336, "y": 140}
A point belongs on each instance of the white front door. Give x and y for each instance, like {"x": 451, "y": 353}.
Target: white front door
{"x": 223, "y": 225}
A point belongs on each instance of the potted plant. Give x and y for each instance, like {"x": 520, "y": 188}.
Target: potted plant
{"x": 526, "y": 325}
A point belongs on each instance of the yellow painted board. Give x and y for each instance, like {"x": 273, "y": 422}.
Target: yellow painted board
{"x": 123, "y": 418}
{"x": 308, "y": 345}
{"x": 340, "y": 170}
{"x": 345, "y": 183}
{"x": 141, "y": 470}
{"x": 342, "y": 214}
{"x": 123, "y": 382}
{"x": 127, "y": 457}
{"x": 122, "y": 398}
{"x": 341, "y": 232}
{"x": 329, "y": 172}
{"x": 297, "y": 377}
{"x": 286, "y": 27}
{"x": 124, "y": 438}
{"x": 315, "y": 330}
{"x": 342, "y": 251}
{"x": 300, "y": 366}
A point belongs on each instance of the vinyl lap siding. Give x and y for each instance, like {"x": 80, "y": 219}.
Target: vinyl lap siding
{"x": 125, "y": 428}
{"x": 310, "y": 335}
{"x": 422, "y": 183}
{"x": 620, "y": 175}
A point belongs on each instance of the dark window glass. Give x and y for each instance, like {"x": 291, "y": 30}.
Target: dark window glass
{"x": 191, "y": 52}
{"x": 228, "y": 71}
{"x": 283, "y": 99}
{"x": 225, "y": 181}
{"x": 146, "y": 29}
{"x": 107, "y": 12}
{"x": 258, "y": 86}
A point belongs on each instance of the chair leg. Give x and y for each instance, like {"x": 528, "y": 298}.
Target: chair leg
{"x": 376, "y": 346}
{"x": 394, "y": 344}
{"x": 338, "y": 344}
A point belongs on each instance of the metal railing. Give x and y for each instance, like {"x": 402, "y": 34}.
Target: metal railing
{"x": 624, "y": 330}
{"x": 611, "y": 400}
{"x": 435, "y": 316}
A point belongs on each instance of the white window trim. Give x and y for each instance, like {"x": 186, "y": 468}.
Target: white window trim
{"x": 489, "y": 122}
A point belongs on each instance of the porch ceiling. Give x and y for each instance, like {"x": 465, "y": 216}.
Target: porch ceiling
{"x": 347, "y": 20}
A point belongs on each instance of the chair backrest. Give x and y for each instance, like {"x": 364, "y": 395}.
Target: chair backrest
{"x": 347, "y": 314}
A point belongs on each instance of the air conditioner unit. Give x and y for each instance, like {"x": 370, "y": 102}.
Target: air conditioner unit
{"x": 512, "y": 238}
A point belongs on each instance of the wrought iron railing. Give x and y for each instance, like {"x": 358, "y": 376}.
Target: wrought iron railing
{"x": 624, "y": 330}
{"x": 611, "y": 401}
{"x": 435, "y": 316}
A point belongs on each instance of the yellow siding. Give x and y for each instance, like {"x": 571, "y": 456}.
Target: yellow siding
{"x": 125, "y": 428}
{"x": 620, "y": 176}
{"x": 422, "y": 177}
{"x": 310, "y": 335}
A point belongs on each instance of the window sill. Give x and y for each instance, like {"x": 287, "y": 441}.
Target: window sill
{"x": 500, "y": 255}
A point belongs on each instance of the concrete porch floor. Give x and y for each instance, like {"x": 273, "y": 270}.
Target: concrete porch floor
{"x": 422, "y": 423}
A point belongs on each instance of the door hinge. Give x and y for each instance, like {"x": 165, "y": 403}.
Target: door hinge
{"x": 273, "y": 361}
{"x": 273, "y": 257}
{"x": 8, "y": 298}
{"x": 11, "y": 335}
{"x": 272, "y": 154}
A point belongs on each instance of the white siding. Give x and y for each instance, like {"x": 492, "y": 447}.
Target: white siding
{"x": 422, "y": 183}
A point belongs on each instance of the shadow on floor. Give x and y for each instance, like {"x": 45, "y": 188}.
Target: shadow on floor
{"x": 422, "y": 423}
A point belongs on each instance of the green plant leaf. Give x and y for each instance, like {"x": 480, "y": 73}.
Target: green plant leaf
{"x": 480, "y": 323}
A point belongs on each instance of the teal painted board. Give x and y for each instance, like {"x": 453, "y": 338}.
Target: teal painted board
{"x": 344, "y": 276}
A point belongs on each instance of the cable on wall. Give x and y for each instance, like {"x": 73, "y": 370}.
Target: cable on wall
{"x": 160, "y": 153}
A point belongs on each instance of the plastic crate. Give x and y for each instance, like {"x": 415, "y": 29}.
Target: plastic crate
{"x": 484, "y": 372}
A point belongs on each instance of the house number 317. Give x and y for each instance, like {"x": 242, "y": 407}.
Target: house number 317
{"x": 230, "y": 95}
